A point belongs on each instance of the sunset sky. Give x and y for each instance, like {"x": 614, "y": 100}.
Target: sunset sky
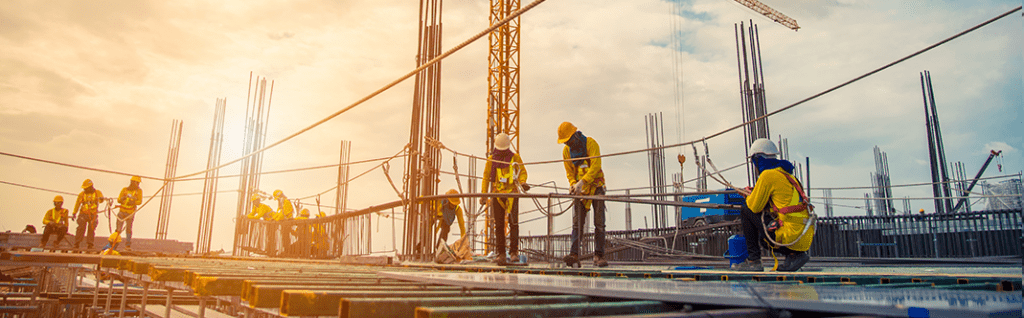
{"x": 98, "y": 84}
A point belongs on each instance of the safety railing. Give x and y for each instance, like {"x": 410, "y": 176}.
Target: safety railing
{"x": 318, "y": 238}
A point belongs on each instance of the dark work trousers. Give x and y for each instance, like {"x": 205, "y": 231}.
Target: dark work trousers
{"x": 753, "y": 231}
{"x": 579, "y": 217}
{"x": 129, "y": 218}
{"x": 498, "y": 211}
{"x": 53, "y": 229}
{"x": 86, "y": 222}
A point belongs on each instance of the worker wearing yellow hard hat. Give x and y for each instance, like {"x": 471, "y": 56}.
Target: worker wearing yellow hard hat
{"x": 303, "y": 215}
{"x": 55, "y": 222}
{"x": 88, "y": 204}
{"x": 129, "y": 201}
{"x": 260, "y": 210}
{"x": 285, "y": 211}
{"x": 446, "y": 212}
{"x": 583, "y": 169}
{"x": 112, "y": 241}
{"x": 504, "y": 173}
{"x": 778, "y": 193}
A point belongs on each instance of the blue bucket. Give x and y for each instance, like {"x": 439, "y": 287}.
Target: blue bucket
{"x": 737, "y": 250}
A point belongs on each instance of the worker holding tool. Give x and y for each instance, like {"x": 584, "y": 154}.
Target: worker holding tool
{"x": 284, "y": 207}
{"x": 504, "y": 173}
{"x": 55, "y": 222}
{"x": 586, "y": 178}
{"x": 446, "y": 213}
{"x": 88, "y": 203}
{"x": 260, "y": 210}
{"x": 779, "y": 194}
{"x": 129, "y": 201}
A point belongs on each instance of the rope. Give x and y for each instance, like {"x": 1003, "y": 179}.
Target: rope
{"x": 297, "y": 169}
{"x": 437, "y": 59}
{"x": 357, "y": 177}
{"x": 79, "y": 166}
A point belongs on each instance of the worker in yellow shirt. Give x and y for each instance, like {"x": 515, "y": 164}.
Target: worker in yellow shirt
{"x": 129, "y": 200}
{"x": 285, "y": 211}
{"x": 586, "y": 177}
{"x": 55, "y": 222}
{"x": 260, "y": 210}
{"x": 447, "y": 211}
{"x": 779, "y": 194}
{"x": 504, "y": 173}
{"x": 88, "y": 203}
{"x": 112, "y": 241}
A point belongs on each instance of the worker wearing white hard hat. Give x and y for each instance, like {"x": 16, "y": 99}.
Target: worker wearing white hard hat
{"x": 779, "y": 194}
{"x": 586, "y": 177}
{"x": 55, "y": 222}
{"x": 504, "y": 173}
{"x": 87, "y": 203}
{"x": 129, "y": 201}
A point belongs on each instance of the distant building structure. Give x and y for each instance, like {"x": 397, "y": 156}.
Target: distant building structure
{"x": 1009, "y": 194}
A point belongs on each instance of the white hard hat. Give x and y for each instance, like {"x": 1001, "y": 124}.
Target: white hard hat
{"x": 764, "y": 147}
{"x": 501, "y": 141}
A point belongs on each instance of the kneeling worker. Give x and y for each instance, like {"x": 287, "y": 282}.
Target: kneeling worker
{"x": 778, "y": 192}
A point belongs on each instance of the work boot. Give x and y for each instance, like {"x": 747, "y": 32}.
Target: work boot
{"x": 599, "y": 261}
{"x": 572, "y": 260}
{"x": 501, "y": 261}
{"x": 748, "y": 266}
{"x": 794, "y": 262}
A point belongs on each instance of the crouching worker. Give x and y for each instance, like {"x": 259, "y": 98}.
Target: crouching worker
{"x": 778, "y": 202}
{"x": 447, "y": 212}
{"x": 112, "y": 242}
{"x": 55, "y": 222}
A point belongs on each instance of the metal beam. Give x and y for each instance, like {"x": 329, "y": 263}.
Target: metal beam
{"x": 322, "y": 303}
{"x": 547, "y": 310}
{"x": 406, "y": 307}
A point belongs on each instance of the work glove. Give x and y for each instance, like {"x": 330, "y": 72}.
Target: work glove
{"x": 526, "y": 187}
{"x": 577, "y": 188}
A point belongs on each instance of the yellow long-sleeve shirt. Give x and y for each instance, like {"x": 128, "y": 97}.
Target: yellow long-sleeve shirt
{"x": 56, "y": 216}
{"x": 259, "y": 211}
{"x": 130, "y": 199}
{"x": 503, "y": 181}
{"x": 773, "y": 184}
{"x": 88, "y": 203}
{"x": 284, "y": 209}
{"x": 591, "y": 173}
{"x": 439, "y": 207}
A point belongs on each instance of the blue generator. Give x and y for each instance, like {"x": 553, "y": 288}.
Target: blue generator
{"x": 701, "y": 216}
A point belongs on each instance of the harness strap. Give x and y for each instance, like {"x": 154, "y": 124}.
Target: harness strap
{"x": 803, "y": 205}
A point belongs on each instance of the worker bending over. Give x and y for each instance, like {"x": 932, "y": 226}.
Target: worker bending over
{"x": 446, "y": 213}
{"x": 129, "y": 200}
{"x": 260, "y": 210}
{"x": 284, "y": 207}
{"x": 88, "y": 203}
{"x": 504, "y": 173}
{"x": 778, "y": 193}
{"x": 55, "y": 222}
{"x": 586, "y": 178}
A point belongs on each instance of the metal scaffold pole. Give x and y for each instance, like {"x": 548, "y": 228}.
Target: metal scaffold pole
{"x": 170, "y": 170}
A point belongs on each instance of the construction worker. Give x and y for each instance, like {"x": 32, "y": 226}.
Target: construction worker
{"x": 778, "y": 193}
{"x": 111, "y": 247}
{"x": 129, "y": 200}
{"x": 504, "y": 173}
{"x": 88, "y": 203}
{"x": 447, "y": 211}
{"x": 284, "y": 207}
{"x": 260, "y": 210}
{"x": 55, "y": 222}
{"x": 303, "y": 215}
{"x": 586, "y": 178}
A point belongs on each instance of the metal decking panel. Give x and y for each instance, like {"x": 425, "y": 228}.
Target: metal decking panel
{"x": 847, "y": 300}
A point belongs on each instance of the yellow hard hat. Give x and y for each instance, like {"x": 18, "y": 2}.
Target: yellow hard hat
{"x": 255, "y": 197}
{"x": 58, "y": 199}
{"x": 453, "y": 200}
{"x": 114, "y": 238}
{"x": 565, "y": 130}
{"x": 502, "y": 141}
{"x": 86, "y": 184}
{"x": 137, "y": 179}
{"x": 304, "y": 212}
{"x": 278, "y": 193}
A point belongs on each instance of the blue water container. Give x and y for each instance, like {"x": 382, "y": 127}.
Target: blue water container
{"x": 737, "y": 250}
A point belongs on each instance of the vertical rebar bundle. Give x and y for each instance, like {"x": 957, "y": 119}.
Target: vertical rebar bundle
{"x": 210, "y": 183}
{"x": 341, "y": 196}
{"x": 656, "y": 163}
{"x": 752, "y": 93}
{"x": 170, "y": 170}
{"x": 868, "y": 205}
{"x": 828, "y": 202}
{"x": 881, "y": 184}
{"x": 471, "y": 211}
{"x": 960, "y": 185}
{"x": 424, "y": 161}
{"x": 257, "y": 115}
{"x": 936, "y": 151}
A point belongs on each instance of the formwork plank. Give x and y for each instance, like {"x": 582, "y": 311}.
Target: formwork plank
{"x": 270, "y": 296}
{"x": 406, "y": 307}
{"x": 546, "y": 310}
{"x": 716, "y": 313}
{"x": 322, "y": 303}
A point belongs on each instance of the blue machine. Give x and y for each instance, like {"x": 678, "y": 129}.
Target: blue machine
{"x": 700, "y": 216}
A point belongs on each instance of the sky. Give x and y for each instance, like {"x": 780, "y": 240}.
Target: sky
{"x": 98, "y": 84}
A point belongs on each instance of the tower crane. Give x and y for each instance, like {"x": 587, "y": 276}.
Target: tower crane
{"x": 991, "y": 154}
